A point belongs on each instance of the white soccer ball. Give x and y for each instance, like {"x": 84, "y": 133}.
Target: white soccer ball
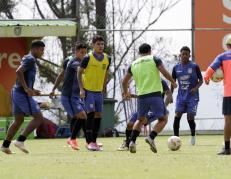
{"x": 218, "y": 75}
{"x": 174, "y": 143}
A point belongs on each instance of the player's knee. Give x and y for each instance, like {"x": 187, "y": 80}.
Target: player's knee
{"x": 190, "y": 116}
{"x": 98, "y": 115}
{"x": 18, "y": 122}
{"x": 178, "y": 114}
{"x": 163, "y": 119}
{"x": 142, "y": 120}
{"x": 38, "y": 117}
{"x": 90, "y": 115}
{"x": 130, "y": 125}
{"x": 81, "y": 115}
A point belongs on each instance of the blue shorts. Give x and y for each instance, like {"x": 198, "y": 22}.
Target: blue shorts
{"x": 22, "y": 103}
{"x": 93, "y": 101}
{"x": 72, "y": 105}
{"x": 155, "y": 105}
{"x": 150, "y": 117}
{"x": 184, "y": 106}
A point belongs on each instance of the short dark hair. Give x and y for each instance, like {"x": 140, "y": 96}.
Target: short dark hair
{"x": 79, "y": 45}
{"x": 97, "y": 38}
{"x": 185, "y": 48}
{"x": 37, "y": 43}
{"x": 144, "y": 48}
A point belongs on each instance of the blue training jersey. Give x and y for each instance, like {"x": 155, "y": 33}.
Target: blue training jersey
{"x": 187, "y": 76}
{"x": 29, "y": 64}
{"x": 70, "y": 85}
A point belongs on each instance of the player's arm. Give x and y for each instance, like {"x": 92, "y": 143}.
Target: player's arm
{"x": 212, "y": 68}
{"x": 164, "y": 72}
{"x": 174, "y": 77}
{"x": 106, "y": 76}
{"x": 80, "y": 81}
{"x": 58, "y": 80}
{"x": 169, "y": 98}
{"x": 200, "y": 80}
{"x": 105, "y": 82}
{"x": 84, "y": 65}
{"x": 126, "y": 79}
{"x": 20, "y": 76}
{"x": 167, "y": 75}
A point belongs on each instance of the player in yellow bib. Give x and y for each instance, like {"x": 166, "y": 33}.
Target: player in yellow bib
{"x": 92, "y": 78}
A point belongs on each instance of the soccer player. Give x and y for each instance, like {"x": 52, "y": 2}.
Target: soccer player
{"x": 223, "y": 61}
{"x": 58, "y": 80}
{"x": 70, "y": 98}
{"x": 145, "y": 72}
{"x": 22, "y": 101}
{"x": 149, "y": 116}
{"x": 189, "y": 78}
{"x": 92, "y": 78}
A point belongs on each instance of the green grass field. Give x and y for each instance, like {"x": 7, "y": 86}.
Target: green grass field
{"x": 53, "y": 159}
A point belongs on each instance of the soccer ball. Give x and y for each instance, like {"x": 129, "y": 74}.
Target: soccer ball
{"x": 218, "y": 75}
{"x": 174, "y": 143}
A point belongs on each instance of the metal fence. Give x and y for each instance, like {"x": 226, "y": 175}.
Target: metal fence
{"x": 119, "y": 22}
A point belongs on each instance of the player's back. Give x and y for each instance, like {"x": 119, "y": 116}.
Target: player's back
{"x": 29, "y": 64}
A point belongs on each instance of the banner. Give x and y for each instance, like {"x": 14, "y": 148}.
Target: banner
{"x": 11, "y": 51}
{"x": 215, "y": 15}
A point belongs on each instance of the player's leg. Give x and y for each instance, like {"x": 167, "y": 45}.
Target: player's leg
{"x": 20, "y": 107}
{"x": 227, "y": 126}
{"x": 227, "y": 133}
{"x": 158, "y": 127}
{"x": 19, "y": 118}
{"x": 180, "y": 109}
{"x": 26, "y": 105}
{"x": 142, "y": 109}
{"x": 90, "y": 108}
{"x": 135, "y": 133}
{"x": 33, "y": 124}
{"x": 124, "y": 146}
{"x": 98, "y": 99}
{"x": 66, "y": 102}
{"x": 128, "y": 131}
{"x": 176, "y": 123}
{"x": 192, "y": 125}
{"x": 80, "y": 120}
{"x": 191, "y": 113}
{"x": 157, "y": 107}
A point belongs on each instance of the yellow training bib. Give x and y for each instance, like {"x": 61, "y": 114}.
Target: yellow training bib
{"x": 94, "y": 73}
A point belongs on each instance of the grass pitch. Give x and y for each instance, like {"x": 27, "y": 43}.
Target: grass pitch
{"x": 53, "y": 159}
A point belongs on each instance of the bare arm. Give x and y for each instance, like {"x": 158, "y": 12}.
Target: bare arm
{"x": 58, "y": 80}
{"x": 172, "y": 88}
{"x": 20, "y": 76}
{"x": 80, "y": 81}
{"x": 105, "y": 82}
{"x": 169, "y": 98}
{"x": 126, "y": 79}
{"x": 167, "y": 75}
{"x": 200, "y": 82}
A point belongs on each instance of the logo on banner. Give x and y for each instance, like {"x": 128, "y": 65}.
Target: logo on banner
{"x": 17, "y": 30}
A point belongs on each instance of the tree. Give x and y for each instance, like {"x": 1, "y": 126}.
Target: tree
{"x": 6, "y": 8}
{"x": 67, "y": 9}
{"x": 130, "y": 29}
